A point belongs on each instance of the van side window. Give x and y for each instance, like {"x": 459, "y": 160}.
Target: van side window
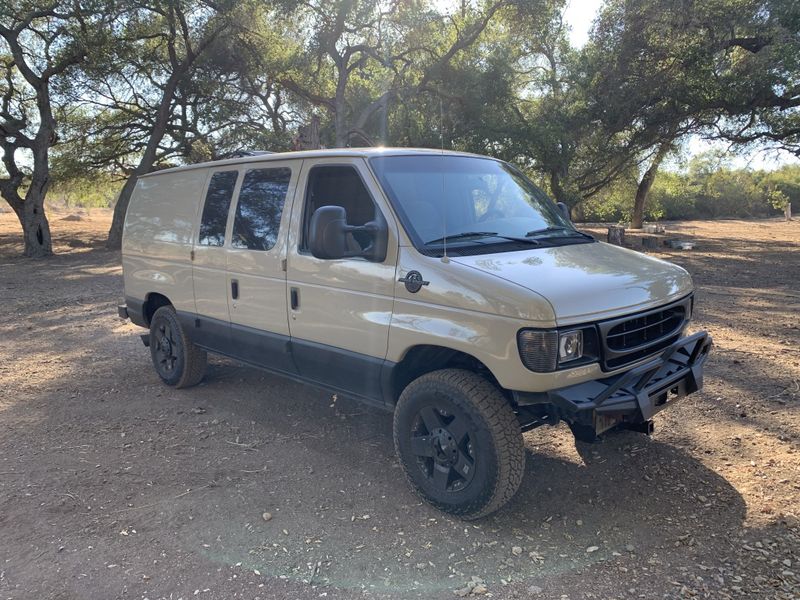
{"x": 339, "y": 186}
{"x": 215, "y": 211}
{"x": 258, "y": 213}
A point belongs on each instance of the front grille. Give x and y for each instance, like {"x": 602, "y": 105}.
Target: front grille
{"x": 641, "y": 330}
{"x": 633, "y": 338}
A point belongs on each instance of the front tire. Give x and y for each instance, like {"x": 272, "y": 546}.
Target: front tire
{"x": 177, "y": 360}
{"x": 459, "y": 442}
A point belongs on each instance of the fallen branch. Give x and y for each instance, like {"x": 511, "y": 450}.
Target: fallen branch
{"x": 794, "y": 391}
{"x": 245, "y": 446}
{"x": 256, "y": 471}
{"x": 181, "y": 495}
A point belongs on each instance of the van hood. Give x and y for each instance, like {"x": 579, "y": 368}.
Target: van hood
{"x": 587, "y": 282}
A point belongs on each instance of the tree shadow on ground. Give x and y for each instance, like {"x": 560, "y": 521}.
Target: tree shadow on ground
{"x": 191, "y": 471}
{"x": 114, "y": 482}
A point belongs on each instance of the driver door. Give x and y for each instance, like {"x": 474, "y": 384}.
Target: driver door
{"x": 340, "y": 309}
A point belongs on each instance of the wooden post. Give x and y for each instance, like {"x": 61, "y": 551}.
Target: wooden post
{"x": 308, "y": 136}
{"x": 787, "y": 211}
{"x": 650, "y": 242}
{"x": 616, "y": 235}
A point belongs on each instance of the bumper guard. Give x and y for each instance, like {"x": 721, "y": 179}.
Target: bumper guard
{"x": 636, "y": 395}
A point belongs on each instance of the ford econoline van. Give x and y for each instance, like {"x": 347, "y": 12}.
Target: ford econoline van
{"x": 443, "y": 286}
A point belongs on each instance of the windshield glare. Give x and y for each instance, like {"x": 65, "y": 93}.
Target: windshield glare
{"x": 452, "y": 195}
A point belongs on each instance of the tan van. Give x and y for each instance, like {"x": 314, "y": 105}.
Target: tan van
{"x": 444, "y": 286}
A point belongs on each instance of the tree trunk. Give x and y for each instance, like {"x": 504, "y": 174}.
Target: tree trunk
{"x": 114, "y": 240}
{"x": 556, "y": 188}
{"x": 31, "y": 215}
{"x": 340, "y": 103}
{"x": 578, "y": 213}
{"x": 35, "y": 227}
{"x": 643, "y": 189}
{"x": 16, "y": 205}
{"x": 637, "y": 219}
{"x": 340, "y": 122}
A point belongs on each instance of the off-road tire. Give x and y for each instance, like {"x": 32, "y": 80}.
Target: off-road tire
{"x": 188, "y": 362}
{"x": 493, "y": 432}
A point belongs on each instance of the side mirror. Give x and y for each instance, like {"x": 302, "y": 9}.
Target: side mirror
{"x": 328, "y": 235}
{"x": 328, "y": 232}
{"x": 564, "y": 210}
{"x": 376, "y": 251}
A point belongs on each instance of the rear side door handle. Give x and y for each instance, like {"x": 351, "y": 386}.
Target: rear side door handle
{"x": 294, "y": 295}
{"x": 234, "y": 289}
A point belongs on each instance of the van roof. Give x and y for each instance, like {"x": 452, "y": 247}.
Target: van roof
{"x": 343, "y": 152}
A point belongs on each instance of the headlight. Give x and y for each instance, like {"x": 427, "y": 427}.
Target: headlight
{"x": 547, "y": 350}
{"x": 570, "y": 346}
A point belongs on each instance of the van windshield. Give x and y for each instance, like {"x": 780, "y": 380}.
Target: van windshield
{"x": 468, "y": 201}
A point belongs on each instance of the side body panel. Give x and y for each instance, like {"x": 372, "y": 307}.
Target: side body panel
{"x": 157, "y": 237}
{"x": 469, "y": 311}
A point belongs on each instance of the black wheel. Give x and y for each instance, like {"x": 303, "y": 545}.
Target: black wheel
{"x": 177, "y": 361}
{"x": 459, "y": 442}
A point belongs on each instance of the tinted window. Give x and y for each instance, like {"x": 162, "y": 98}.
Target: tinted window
{"x": 339, "y": 186}
{"x": 215, "y": 211}
{"x": 258, "y": 214}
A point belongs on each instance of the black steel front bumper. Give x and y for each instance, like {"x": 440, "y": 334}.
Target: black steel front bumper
{"x": 636, "y": 395}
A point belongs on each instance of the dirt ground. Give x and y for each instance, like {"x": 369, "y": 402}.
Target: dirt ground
{"x": 115, "y": 486}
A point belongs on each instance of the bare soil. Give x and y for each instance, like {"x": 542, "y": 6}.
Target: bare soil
{"x": 115, "y": 486}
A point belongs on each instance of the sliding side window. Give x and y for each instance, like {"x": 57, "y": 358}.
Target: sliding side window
{"x": 258, "y": 213}
{"x": 215, "y": 211}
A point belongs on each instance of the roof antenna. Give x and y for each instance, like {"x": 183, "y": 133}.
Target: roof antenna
{"x": 445, "y": 258}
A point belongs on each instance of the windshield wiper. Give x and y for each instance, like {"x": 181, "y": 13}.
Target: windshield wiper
{"x": 570, "y": 232}
{"x": 462, "y": 235}
{"x": 471, "y": 234}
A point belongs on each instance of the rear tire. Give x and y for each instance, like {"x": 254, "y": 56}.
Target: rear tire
{"x": 459, "y": 442}
{"x": 177, "y": 360}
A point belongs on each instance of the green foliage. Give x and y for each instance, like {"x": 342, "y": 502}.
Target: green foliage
{"x": 674, "y": 195}
{"x": 709, "y": 188}
{"x": 173, "y": 82}
{"x": 778, "y": 199}
{"x": 97, "y": 191}
{"x": 615, "y": 203}
{"x": 785, "y": 180}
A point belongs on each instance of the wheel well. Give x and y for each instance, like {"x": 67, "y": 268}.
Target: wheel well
{"x": 420, "y": 360}
{"x": 152, "y": 303}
